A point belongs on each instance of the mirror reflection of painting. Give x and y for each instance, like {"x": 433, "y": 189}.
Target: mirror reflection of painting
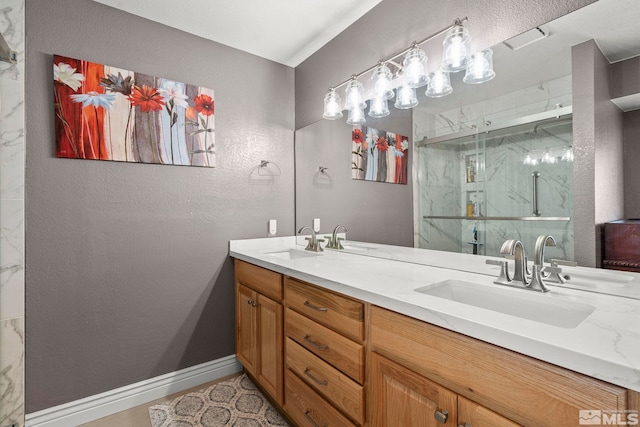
{"x": 107, "y": 113}
{"x": 378, "y": 155}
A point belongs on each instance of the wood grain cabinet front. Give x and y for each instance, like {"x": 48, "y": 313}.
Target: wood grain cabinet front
{"x": 260, "y": 326}
{"x": 325, "y": 352}
{"x": 524, "y": 390}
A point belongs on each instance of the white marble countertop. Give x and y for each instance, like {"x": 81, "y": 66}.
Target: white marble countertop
{"x": 606, "y": 345}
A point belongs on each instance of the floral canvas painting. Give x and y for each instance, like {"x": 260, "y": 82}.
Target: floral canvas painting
{"x": 378, "y": 155}
{"x": 108, "y": 113}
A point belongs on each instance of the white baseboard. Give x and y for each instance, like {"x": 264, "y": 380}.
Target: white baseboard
{"x": 100, "y": 405}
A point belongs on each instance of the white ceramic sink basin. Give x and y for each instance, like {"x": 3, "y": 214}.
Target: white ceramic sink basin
{"x": 543, "y": 308}
{"x": 292, "y": 254}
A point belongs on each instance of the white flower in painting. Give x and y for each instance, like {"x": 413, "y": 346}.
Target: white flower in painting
{"x": 172, "y": 92}
{"x": 66, "y": 74}
{"x": 96, "y": 99}
{"x": 404, "y": 145}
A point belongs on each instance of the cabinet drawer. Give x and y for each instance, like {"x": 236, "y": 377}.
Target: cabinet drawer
{"x": 523, "y": 389}
{"x": 307, "y": 408}
{"x": 343, "y": 392}
{"x": 338, "y": 312}
{"x": 260, "y": 279}
{"x": 472, "y": 414}
{"x": 341, "y": 352}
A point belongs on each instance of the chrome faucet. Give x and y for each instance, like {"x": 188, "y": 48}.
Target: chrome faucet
{"x": 334, "y": 240}
{"x": 514, "y": 249}
{"x": 540, "y": 272}
{"x": 314, "y": 242}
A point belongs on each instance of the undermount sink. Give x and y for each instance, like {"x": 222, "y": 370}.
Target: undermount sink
{"x": 520, "y": 303}
{"x": 292, "y": 254}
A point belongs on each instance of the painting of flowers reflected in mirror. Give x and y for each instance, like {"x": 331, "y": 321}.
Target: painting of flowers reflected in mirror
{"x": 378, "y": 155}
{"x": 108, "y": 113}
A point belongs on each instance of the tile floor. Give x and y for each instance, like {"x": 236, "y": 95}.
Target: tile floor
{"x": 139, "y": 416}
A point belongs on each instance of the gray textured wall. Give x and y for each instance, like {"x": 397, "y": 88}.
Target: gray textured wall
{"x": 393, "y": 24}
{"x": 128, "y": 271}
{"x": 598, "y": 149}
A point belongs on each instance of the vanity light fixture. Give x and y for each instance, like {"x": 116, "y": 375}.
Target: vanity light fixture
{"x": 413, "y": 74}
{"x": 455, "y": 53}
{"x": 439, "y": 84}
{"x": 332, "y": 105}
{"x": 480, "y": 67}
{"x": 356, "y": 116}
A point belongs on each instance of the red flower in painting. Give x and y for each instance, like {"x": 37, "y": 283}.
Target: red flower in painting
{"x": 204, "y": 104}
{"x": 357, "y": 136}
{"x": 147, "y": 98}
{"x": 382, "y": 144}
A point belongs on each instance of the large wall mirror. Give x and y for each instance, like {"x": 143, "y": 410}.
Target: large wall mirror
{"x": 488, "y": 162}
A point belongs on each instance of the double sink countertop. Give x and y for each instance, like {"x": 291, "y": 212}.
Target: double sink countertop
{"x": 605, "y": 345}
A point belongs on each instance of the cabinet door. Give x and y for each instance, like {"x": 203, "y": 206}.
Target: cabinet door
{"x": 470, "y": 414}
{"x": 400, "y": 397}
{"x": 270, "y": 325}
{"x": 247, "y": 328}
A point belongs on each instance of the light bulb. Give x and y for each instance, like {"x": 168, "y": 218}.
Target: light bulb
{"x": 356, "y": 117}
{"x": 382, "y": 82}
{"x": 415, "y": 67}
{"x": 379, "y": 108}
{"x": 455, "y": 49}
{"x": 406, "y": 97}
{"x": 480, "y": 67}
{"x": 439, "y": 85}
{"x": 332, "y": 109}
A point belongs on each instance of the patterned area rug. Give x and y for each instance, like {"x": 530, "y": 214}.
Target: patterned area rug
{"x": 236, "y": 402}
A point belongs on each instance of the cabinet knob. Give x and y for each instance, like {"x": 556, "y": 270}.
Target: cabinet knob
{"x": 252, "y": 303}
{"x": 441, "y": 416}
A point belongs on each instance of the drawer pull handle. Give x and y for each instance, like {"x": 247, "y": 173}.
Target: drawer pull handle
{"x": 317, "y": 381}
{"x": 315, "y": 344}
{"x": 441, "y": 416}
{"x": 306, "y": 414}
{"x": 252, "y": 303}
{"x": 308, "y": 304}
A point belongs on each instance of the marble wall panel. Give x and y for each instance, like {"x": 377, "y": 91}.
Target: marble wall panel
{"x": 11, "y": 139}
{"x": 12, "y": 372}
{"x": 12, "y": 29}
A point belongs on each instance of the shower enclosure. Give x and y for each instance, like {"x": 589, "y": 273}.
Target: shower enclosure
{"x": 499, "y": 178}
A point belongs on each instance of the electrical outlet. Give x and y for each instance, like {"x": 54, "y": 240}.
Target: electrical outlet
{"x": 316, "y": 225}
{"x": 273, "y": 227}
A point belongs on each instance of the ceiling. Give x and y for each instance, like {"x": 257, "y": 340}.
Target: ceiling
{"x": 256, "y": 26}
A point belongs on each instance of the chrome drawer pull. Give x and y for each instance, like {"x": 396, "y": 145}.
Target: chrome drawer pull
{"x": 306, "y": 414}
{"x": 308, "y": 304}
{"x": 315, "y": 344}
{"x": 317, "y": 381}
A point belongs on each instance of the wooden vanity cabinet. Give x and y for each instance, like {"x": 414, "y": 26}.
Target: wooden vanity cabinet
{"x": 491, "y": 383}
{"x": 324, "y": 356}
{"x": 259, "y": 326}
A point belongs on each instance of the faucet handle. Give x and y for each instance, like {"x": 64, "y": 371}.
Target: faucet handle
{"x": 338, "y": 243}
{"x": 503, "y": 277}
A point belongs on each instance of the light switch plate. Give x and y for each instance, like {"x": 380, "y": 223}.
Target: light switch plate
{"x": 273, "y": 227}
{"x": 316, "y": 225}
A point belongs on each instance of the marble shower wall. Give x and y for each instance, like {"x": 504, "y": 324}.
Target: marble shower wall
{"x": 12, "y": 149}
{"x": 503, "y": 184}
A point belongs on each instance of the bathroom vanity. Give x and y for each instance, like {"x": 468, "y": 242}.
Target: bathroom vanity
{"x": 346, "y": 339}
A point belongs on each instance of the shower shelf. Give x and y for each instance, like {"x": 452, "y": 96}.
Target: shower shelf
{"x": 501, "y": 218}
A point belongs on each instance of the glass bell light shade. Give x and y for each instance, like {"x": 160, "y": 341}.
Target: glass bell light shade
{"x": 439, "y": 85}
{"x": 480, "y": 67}
{"x": 354, "y": 95}
{"x": 406, "y": 97}
{"x": 381, "y": 87}
{"x": 332, "y": 108}
{"x": 356, "y": 117}
{"x": 455, "y": 53}
{"x": 415, "y": 67}
{"x": 379, "y": 108}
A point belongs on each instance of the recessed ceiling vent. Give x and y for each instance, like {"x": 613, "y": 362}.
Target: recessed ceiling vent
{"x": 526, "y": 38}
